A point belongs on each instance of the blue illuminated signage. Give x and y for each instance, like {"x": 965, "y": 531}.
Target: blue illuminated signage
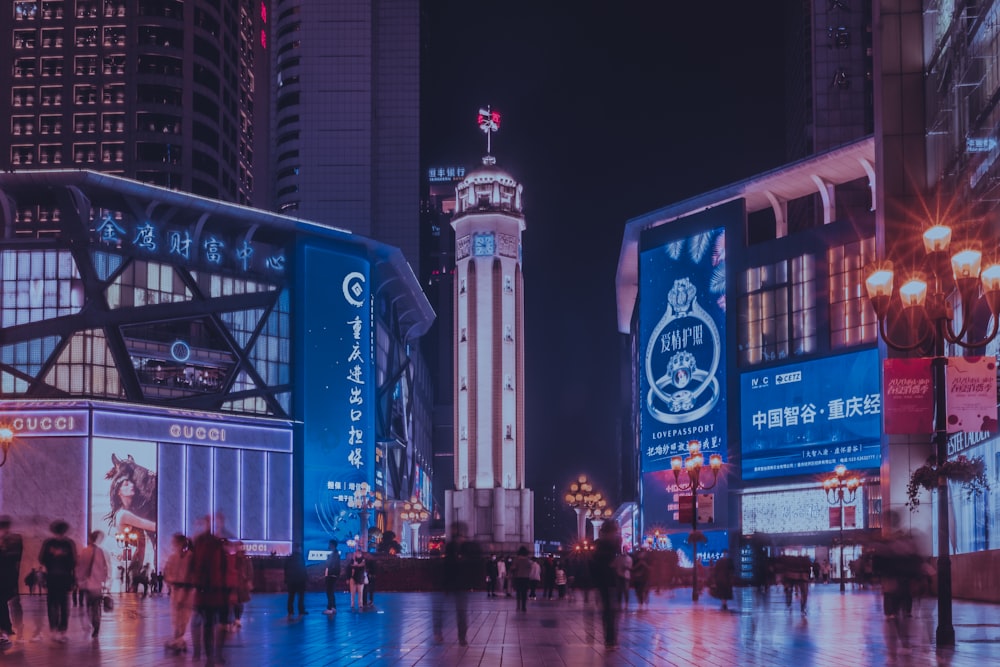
{"x": 806, "y": 418}
{"x": 339, "y": 395}
{"x": 682, "y": 360}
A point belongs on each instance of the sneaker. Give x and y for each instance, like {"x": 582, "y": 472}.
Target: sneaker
{"x": 329, "y": 612}
{"x": 5, "y": 642}
{"x": 238, "y": 623}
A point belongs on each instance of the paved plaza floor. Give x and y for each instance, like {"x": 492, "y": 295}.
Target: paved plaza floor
{"x": 839, "y": 629}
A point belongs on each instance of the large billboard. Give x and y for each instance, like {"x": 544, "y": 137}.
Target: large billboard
{"x": 339, "y": 406}
{"x": 682, "y": 360}
{"x": 808, "y": 417}
{"x": 123, "y": 501}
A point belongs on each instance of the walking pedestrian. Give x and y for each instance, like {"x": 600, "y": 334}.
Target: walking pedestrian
{"x": 179, "y": 578}
{"x": 331, "y": 574}
{"x": 502, "y": 577}
{"x": 640, "y": 578}
{"x": 242, "y": 581}
{"x": 11, "y": 550}
{"x": 296, "y": 579}
{"x": 520, "y": 572}
{"x": 356, "y": 578}
{"x": 605, "y": 578}
{"x": 492, "y": 574}
{"x": 58, "y": 557}
{"x": 535, "y": 578}
{"x": 560, "y": 579}
{"x": 549, "y": 577}
{"x": 463, "y": 569}
{"x": 92, "y": 575}
{"x": 722, "y": 580}
{"x": 209, "y": 565}
{"x": 623, "y": 575}
{"x": 31, "y": 581}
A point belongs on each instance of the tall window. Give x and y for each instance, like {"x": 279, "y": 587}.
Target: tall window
{"x": 38, "y": 285}
{"x": 852, "y": 319}
{"x": 777, "y": 311}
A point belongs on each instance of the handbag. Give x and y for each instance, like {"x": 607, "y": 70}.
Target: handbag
{"x": 108, "y": 602}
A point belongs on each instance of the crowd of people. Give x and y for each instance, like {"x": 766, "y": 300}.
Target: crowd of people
{"x": 209, "y": 580}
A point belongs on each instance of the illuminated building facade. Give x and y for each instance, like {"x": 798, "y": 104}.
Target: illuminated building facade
{"x": 490, "y": 496}
{"x": 165, "y": 92}
{"x": 224, "y": 359}
{"x": 758, "y": 342}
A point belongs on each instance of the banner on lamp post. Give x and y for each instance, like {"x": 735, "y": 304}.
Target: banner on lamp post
{"x": 834, "y": 517}
{"x": 908, "y": 395}
{"x": 972, "y": 394}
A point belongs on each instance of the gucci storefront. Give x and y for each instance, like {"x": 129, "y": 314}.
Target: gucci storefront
{"x": 141, "y": 473}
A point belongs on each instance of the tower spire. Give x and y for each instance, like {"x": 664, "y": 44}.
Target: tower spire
{"x": 489, "y": 122}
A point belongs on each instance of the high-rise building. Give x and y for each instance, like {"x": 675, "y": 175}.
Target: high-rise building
{"x": 162, "y": 91}
{"x": 490, "y": 496}
{"x": 347, "y": 116}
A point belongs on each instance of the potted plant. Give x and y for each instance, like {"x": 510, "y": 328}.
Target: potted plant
{"x": 971, "y": 473}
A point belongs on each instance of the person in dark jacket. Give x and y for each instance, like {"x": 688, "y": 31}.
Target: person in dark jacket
{"x": 463, "y": 570}
{"x": 58, "y": 557}
{"x": 295, "y": 581}
{"x": 606, "y": 549}
{"x": 210, "y": 564}
{"x": 331, "y": 574}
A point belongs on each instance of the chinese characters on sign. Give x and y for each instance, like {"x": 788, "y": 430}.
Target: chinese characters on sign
{"x": 149, "y": 238}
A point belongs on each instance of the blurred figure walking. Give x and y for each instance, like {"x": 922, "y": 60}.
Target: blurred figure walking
{"x": 520, "y": 572}
{"x": 92, "y": 576}
{"x": 331, "y": 574}
{"x": 463, "y": 570}
{"x": 179, "y": 578}
{"x": 242, "y": 581}
{"x": 11, "y": 550}
{"x": 58, "y": 557}
{"x": 606, "y": 550}
{"x": 210, "y": 564}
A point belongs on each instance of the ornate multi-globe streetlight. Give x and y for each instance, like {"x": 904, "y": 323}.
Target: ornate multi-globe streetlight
{"x": 364, "y": 501}
{"x": 598, "y": 515}
{"x": 692, "y": 465}
{"x": 927, "y": 310}
{"x": 841, "y": 489}
{"x": 414, "y": 514}
{"x": 582, "y": 498}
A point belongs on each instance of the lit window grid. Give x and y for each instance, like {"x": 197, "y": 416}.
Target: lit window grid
{"x": 28, "y": 355}
{"x": 146, "y": 283}
{"x": 38, "y": 285}
{"x": 852, "y": 319}
{"x": 777, "y": 311}
{"x": 86, "y": 367}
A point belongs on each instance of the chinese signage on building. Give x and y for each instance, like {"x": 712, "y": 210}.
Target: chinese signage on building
{"x": 806, "y": 418}
{"x": 682, "y": 362}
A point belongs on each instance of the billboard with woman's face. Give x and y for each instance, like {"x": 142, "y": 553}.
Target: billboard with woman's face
{"x": 123, "y": 496}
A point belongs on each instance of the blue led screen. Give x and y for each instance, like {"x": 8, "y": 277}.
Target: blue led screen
{"x": 682, "y": 360}
{"x": 806, "y": 418}
{"x": 338, "y": 418}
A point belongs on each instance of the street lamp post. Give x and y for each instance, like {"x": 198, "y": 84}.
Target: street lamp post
{"x": 841, "y": 489}
{"x": 598, "y": 515}
{"x": 578, "y": 499}
{"x": 929, "y": 315}
{"x": 414, "y": 514}
{"x": 127, "y": 540}
{"x": 364, "y": 501}
{"x": 692, "y": 466}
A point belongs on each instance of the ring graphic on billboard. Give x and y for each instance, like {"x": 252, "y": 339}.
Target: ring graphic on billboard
{"x": 688, "y": 388}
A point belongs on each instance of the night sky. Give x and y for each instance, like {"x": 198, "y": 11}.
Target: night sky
{"x": 610, "y": 110}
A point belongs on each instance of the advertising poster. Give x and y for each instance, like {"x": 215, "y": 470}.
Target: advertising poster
{"x": 972, "y": 394}
{"x": 806, "y": 418}
{"x": 909, "y": 396}
{"x": 123, "y": 504}
{"x": 339, "y": 421}
{"x": 682, "y": 378}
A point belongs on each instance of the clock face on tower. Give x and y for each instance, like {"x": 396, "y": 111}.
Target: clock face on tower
{"x": 483, "y": 245}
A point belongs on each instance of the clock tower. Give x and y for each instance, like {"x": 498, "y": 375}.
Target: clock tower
{"x": 490, "y": 497}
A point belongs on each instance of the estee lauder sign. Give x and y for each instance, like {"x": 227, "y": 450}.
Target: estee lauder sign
{"x": 46, "y": 423}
